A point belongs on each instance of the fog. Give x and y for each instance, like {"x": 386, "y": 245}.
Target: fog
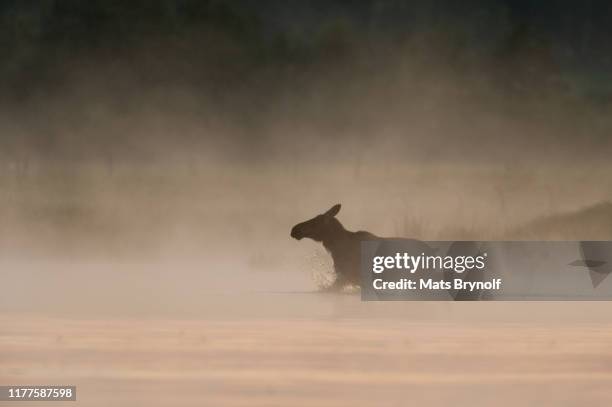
{"x": 154, "y": 169}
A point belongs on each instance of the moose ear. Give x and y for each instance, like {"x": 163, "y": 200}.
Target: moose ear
{"x": 333, "y": 211}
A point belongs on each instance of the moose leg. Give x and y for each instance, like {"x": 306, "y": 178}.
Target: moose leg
{"x": 337, "y": 285}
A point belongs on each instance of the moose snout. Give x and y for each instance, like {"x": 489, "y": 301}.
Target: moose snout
{"x": 295, "y": 233}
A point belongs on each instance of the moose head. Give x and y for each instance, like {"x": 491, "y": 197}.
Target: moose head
{"x": 321, "y": 227}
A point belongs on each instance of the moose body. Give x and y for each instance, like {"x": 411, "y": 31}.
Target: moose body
{"x": 343, "y": 245}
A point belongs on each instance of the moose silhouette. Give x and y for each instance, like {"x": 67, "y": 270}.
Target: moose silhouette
{"x": 343, "y": 245}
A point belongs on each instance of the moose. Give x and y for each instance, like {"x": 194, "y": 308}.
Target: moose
{"x": 343, "y": 245}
